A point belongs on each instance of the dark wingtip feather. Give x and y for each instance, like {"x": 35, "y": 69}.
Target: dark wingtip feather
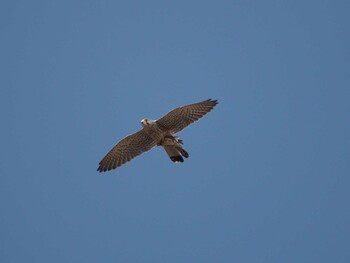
{"x": 214, "y": 101}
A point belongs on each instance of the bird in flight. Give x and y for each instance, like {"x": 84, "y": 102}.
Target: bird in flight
{"x": 161, "y": 132}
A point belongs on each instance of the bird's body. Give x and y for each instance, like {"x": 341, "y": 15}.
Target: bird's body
{"x": 160, "y": 132}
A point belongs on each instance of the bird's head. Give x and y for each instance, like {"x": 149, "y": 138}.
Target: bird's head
{"x": 147, "y": 122}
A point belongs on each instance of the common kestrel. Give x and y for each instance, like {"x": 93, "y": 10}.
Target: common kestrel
{"x": 160, "y": 132}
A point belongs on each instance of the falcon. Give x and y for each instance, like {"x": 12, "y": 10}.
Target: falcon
{"x": 160, "y": 132}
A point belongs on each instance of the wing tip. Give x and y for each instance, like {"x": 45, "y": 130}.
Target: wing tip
{"x": 100, "y": 169}
{"x": 213, "y": 101}
{"x": 104, "y": 168}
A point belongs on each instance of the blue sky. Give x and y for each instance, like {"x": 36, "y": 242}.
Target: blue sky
{"x": 268, "y": 175}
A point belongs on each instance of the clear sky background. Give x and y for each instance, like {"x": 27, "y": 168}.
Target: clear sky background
{"x": 268, "y": 176}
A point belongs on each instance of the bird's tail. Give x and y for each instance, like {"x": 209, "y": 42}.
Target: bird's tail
{"x": 173, "y": 148}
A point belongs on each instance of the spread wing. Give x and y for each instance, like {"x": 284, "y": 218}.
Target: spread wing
{"x": 127, "y": 149}
{"x": 179, "y": 118}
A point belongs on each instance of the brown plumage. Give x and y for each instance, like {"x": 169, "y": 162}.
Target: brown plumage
{"x": 157, "y": 132}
